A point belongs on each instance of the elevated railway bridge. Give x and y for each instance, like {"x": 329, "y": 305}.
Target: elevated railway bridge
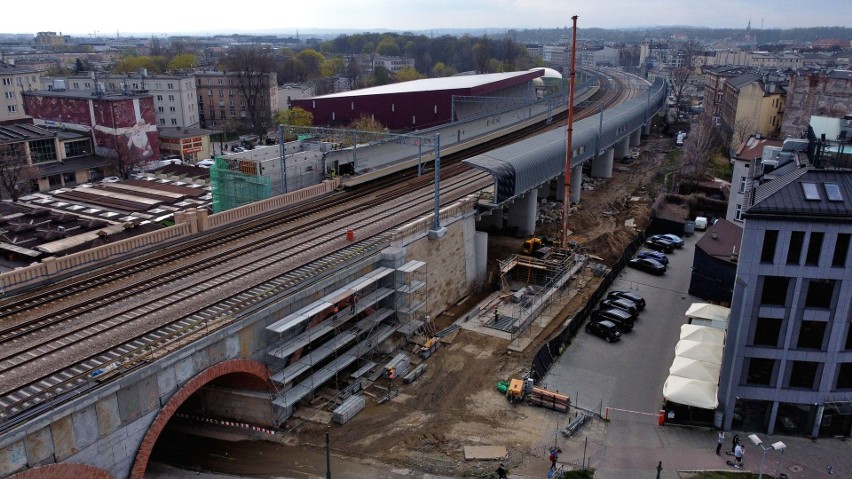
{"x": 239, "y": 315}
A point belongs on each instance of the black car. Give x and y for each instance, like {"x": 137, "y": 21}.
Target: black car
{"x": 660, "y": 244}
{"x": 654, "y": 255}
{"x": 622, "y": 319}
{"x": 648, "y": 265}
{"x": 639, "y": 301}
{"x": 604, "y": 329}
{"x": 622, "y": 304}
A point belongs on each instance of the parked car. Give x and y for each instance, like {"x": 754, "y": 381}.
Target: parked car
{"x": 604, "y": 329}
{"x": 622, "y": 319}
{"x": 206, "y": 163}
{"x": 660, "y": 244}
{"x": 655, "y": 255}
{"x": 622, "y": 304}
{"x": 639, "y": 301}
{"x": 111, "y": 179}
{"x": 677, "y": 240}
{"x": 648, "y": 265}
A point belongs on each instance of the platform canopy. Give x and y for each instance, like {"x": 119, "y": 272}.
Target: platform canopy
{"x": 703, "y": 334}
{"x": 694, "y": 375}
{"x": 694, "y": 369}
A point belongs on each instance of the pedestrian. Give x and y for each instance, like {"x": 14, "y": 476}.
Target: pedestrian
{"x": 739, "y": 450}
{"x": 496, "y": 314}
{"x": 501, "y": 472}
{"x": 734, "y": 442}
{"x": 719, "y": 443}
{"x": 554, "y": 456}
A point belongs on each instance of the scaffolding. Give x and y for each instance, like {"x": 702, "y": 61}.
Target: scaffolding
{"x": 237, "y": 183}
{"x": 319, "y": 341}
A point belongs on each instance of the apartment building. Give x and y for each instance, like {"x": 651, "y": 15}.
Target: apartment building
{"x": 222, "y": 103}
{"x": 787, "y": 366}
{"x": 15, "y": 80}
{"x": 174, "y": 95}
{"x": 752, "y": 103}
{"x": 816, "y": 93}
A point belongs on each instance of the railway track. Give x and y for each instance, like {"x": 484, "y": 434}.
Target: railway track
{"x": 48, "y": 336}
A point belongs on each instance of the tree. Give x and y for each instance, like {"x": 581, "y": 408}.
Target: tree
{"x": 683, "y": 71}
{"x": 133, "y": 64}
{"x": 441, "y": 70}
{"x": 184, "y": 61}
{"x": 698, "y": 148}
{"x": 311, "y": 61}
{"x": 332, "y": 67}
{"x": 368, "y": 128}
{"x": 382, "y": 76}
{"x": 743, "y": 128}
{"x": 16, "y": 172}
{"x": 295, "y": 117}
{"x": 408, "y": 74}
{"x": 387, "y": 47}
{"x": 253, "y": 65}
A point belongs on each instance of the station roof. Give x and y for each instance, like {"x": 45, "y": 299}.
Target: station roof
{"x": 479, "y": 84}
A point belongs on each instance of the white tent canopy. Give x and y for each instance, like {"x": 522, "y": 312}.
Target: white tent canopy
{"x": 700, "y": 351}
{"x": 694, "y": 375}
{"x": 691, "y": 392}
{"x": 702, "y": 334}
{"x": 709, "y": 314}
{"x": 693, "y": 369}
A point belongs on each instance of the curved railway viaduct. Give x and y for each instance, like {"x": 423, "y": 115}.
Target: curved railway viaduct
{"x": 249, "y": 371}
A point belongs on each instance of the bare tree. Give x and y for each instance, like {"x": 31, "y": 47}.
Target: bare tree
{"x": 682, "y": 71}
{"x": 698, "y": 149}
{"x": 743, "y": 128}
{"x": 16, "y": 172}
{"x": 253, "y": 65}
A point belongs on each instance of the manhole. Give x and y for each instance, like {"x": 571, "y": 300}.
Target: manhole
{"x": 796, "y": 468}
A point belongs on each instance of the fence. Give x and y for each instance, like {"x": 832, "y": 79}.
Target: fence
{"x": 552, "y": 349}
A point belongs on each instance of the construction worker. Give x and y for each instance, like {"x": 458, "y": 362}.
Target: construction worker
{"x": 496, "y": 314}
{"x": 391, "y": 373}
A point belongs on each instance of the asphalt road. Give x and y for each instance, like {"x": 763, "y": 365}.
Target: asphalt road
{"x": 629, "y": 374}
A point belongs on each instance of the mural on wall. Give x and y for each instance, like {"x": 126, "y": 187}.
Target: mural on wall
{"x": 122, "y": 127}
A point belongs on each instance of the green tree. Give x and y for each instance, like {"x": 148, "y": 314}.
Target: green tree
{"x": 134, "y": 63}
{"x": 311, "y": 61}
{"x": 295, "y": 117}
{"x": 387, "y": 47}
{"x": 368, "y": 128}
{"x": 184, "y": 61}
{"x": 382, "y": 76}
{"x": 253, "y": 65}
{"x": 441, "y": 70}
{"x": 333, "y": 66}
{"x": 408, "y": 74}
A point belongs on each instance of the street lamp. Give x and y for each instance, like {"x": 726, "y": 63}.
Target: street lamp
{"x": 778, "y": 446}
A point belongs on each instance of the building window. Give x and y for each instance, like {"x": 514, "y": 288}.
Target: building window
{"x": 770, "y": 239}
{"x": 7, "y": 81}
{"x": 160, "y": 109}
{"x": 844, "y": 376}
{"x": 743, "y": 180}
{"x": 794, "y": 252}
{"x": 219, "y": 81}
{"x": 172, "y": 109}
{"x": 171, "y": 98}
{"x": 10, "y": 95}
{"x": 159, "y": 97}
{"x": 162, "y": 121}
{"x": 803, "y": 374}
{"x": 174, "y": 121}
{"x": 774, "y": 290}
{"x": 814, "y": 249}
{"x": 738, "y": 215}
{"x": 42, "y": 150}
{"x": 760, "y": 371}
{"x": 12, "y": 108}
{"x": 209, "y": 92}
{"x": 170, "y": 86}
{"x": 77, "y": 148}
{"x": 841, "y": 249}
{"x": 819, "y": 294}
{"x": 811, "y": 334}
{"x": 767, "y": 331}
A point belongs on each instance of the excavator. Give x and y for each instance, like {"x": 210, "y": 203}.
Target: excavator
{"x": 537, "y": 246}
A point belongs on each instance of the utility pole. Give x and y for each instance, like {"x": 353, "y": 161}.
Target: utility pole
{"x": 327, "y": 458}
{"x": 566, "y": 200}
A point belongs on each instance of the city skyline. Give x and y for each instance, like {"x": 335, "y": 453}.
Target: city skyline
{"x": 158, "y": 17}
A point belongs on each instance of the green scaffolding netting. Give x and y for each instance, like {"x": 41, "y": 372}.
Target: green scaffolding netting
{"x": 232, "y": 188}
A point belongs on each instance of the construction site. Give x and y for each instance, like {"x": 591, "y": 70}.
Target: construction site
{"x": 459, "y": 396}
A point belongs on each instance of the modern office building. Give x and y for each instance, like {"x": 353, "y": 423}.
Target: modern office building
{"x": 787, "y": 367}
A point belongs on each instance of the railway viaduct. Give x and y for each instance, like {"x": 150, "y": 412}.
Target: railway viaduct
{"x": 110, "y": 428}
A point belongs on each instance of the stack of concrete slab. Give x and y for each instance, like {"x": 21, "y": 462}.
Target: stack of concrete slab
{"x": 350, "y": 407}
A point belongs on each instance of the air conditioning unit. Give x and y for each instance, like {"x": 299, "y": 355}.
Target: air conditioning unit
{"x": 768, "y": 165}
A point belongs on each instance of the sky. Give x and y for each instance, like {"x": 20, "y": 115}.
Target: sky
{"x": 160, "y": 17}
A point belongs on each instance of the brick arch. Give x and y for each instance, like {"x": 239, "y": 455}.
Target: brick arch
{"x": 245, "y": 366}
{"x": 62, "y": 471}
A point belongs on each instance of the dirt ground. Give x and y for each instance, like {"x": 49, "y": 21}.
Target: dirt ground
{"x": 456, "y": 403}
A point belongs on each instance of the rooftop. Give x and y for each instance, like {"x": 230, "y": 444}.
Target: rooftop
{"x": 807, "y": 193}
{"x": 752, "y": 148}
{"x": 721, "y": 240}
{"x": 107, "y": 96}
{"x": 458, "y": 82}
{"x": 23, "y": 132}
{"x": 183, "y": 132}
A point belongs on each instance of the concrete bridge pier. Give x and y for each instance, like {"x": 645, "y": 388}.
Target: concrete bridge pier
{"x": 602, "y": 164}
{"x": 622, "y": 147}
{"x": 560, "y": 187}
{"x": 522, "y": 213}
{"x": 576, "y": 183}
{"x": 646, "y": 128}
{"x": 636, "y": 137}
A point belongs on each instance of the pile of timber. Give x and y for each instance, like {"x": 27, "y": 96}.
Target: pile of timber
{"x": 548, "y": 399}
